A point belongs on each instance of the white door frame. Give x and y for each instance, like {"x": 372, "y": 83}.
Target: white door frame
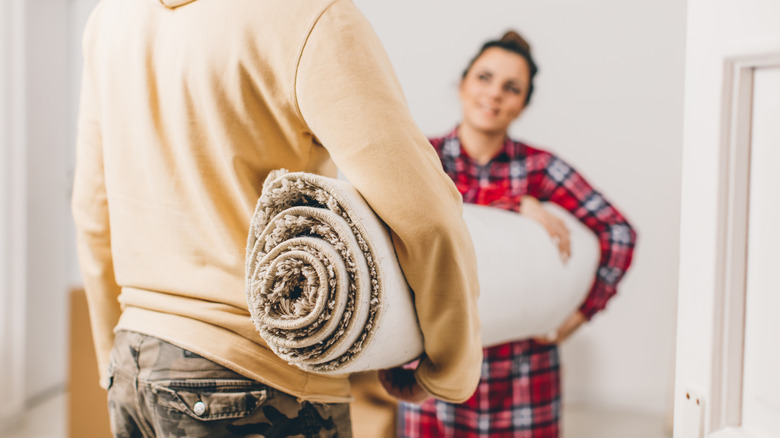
{"x": 725, "y": 410}
{"x": 13, "y": 229}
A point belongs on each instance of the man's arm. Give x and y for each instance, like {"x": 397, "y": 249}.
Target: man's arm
{"x": 349, "y": 97}
{"x": 90, "y": 213}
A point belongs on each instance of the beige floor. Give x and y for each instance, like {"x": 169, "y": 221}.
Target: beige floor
{"x": 47, "y": 420}
{"x": 44, "y": 420}
{"x": 586, "y": 422}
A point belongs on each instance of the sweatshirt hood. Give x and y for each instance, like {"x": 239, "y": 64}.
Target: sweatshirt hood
{"x": 175, "y": 3}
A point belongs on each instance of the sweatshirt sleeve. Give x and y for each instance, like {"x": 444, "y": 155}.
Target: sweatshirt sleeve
{"x": 90, "y": 214}
{"x": 353, "y": 104}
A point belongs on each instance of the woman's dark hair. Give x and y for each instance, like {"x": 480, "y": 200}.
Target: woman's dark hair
{"x": 511, "y": 41}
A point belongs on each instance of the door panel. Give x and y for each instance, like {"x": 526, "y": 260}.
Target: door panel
{"x": 761, "y": 390}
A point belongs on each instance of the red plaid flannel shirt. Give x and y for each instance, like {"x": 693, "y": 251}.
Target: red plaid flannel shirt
{"x": 520, "y": 170}
{"x": 518, "y": 394}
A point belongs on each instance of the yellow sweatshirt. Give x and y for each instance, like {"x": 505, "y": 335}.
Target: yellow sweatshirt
{"x": 185, "y": 108}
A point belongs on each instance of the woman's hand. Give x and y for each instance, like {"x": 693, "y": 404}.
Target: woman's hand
{"x": 402, "y": 384}
{"x": 531, "y": 207}
{"x": 564, "y": 331}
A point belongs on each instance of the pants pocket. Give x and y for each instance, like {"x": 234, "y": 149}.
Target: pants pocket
{"x": 208, "y": 399}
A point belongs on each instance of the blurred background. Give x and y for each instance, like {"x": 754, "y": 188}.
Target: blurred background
{"x": 608, "y": 99}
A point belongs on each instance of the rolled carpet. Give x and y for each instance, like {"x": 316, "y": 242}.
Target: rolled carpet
{"x": 323, "y": 283}
{"x": 526, "y": 289}
{"x": 326, "y": 293}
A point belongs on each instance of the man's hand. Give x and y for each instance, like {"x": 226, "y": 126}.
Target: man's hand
{"x": 401, "y": 384}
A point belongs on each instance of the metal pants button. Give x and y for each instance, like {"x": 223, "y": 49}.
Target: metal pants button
{"x": 199, "y": 408}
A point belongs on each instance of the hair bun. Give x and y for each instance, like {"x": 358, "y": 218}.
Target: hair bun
{"x": 513, "y": 37}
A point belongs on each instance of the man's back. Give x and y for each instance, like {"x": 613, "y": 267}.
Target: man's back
{"x": 193, "y": 106}
{"x": 186, "y": 107}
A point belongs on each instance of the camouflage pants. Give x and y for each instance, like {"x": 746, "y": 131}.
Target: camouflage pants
{"x": 158, "y": 389}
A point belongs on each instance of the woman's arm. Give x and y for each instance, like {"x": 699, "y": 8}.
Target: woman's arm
{"x": 532, "y": 208}
{"x": 557, "y": 182}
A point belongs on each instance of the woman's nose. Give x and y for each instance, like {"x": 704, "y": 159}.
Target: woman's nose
{"x": 494, "y": 92}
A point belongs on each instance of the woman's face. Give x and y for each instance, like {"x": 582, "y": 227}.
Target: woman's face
{"x": 493, "y": 92}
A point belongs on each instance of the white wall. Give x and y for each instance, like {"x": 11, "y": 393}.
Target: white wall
{"x": 35, "y": 153}
{"x": 12, "y": 256}
{"x": 608, "y": 99}
{"x": 48, "y": 150}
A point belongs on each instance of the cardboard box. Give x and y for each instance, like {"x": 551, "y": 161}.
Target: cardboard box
{"x": 88, "y": 409}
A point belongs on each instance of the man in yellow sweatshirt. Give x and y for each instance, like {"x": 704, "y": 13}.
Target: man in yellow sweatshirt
{"x": 186, "y": 106}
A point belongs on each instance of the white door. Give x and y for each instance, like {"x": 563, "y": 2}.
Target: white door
{"x": 728, "y": 355}
{"x": 761, "y": 379}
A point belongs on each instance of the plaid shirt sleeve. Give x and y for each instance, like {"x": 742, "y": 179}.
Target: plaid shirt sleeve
{"x": 551, "y": 179}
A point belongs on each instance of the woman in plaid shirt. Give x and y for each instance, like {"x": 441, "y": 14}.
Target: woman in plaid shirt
{"x": 519, "y": 392}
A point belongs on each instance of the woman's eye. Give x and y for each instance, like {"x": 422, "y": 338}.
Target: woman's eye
{"x": 484, "y": 77}
{"x": 512, "y": 89}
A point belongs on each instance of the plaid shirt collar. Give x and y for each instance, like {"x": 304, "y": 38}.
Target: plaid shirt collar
{"x": 453, "y": 149}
